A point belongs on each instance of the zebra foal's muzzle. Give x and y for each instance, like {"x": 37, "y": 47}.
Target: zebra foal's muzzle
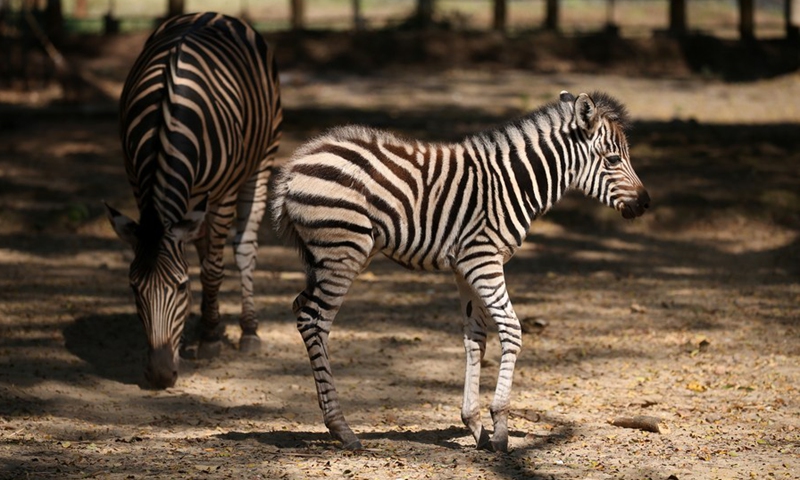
{"x": 161, "y": 370}
{"x": 635, "y": 207}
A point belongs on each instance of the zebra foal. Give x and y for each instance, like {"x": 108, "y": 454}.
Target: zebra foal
{"x": 200, "y": 125}
{"x": 467, "y": 207}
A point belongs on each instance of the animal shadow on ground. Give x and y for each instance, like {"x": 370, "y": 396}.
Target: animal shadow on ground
{"x": 438, "y": 437}
{"x": 113, "y": 344}
{"x": 294, "y": 439}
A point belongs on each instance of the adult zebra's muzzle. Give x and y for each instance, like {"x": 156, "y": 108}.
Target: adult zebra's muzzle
{"x": 161, "y": 370}
{"x": 636, "y": 207}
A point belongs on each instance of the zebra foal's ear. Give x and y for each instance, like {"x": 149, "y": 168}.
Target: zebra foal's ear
{"x": 566, "y": 97}
{"x": 123, "y": 225}
{"x": 586, "y": 112}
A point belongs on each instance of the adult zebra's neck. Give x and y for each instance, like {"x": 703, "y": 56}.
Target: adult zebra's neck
{"x": 529, "y": 164}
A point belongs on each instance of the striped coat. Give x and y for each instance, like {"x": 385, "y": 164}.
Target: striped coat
{"x": 464, "y": 207}
{"x": 200, "y": 125}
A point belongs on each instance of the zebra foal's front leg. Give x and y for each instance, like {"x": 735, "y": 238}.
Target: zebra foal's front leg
{"x": 474, "y": 348}
{"x": 483, "y": 279}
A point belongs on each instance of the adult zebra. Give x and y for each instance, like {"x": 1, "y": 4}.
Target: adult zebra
{"x": 354, "y": 192}
{"x": 200, "y": 126}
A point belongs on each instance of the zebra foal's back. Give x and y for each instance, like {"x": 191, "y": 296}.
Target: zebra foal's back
{"x": 392, "y": 190}
{"x": 200, "y": 125}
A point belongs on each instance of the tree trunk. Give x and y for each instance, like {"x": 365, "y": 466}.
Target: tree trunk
{"x": 298, "y": 8}
{"x": 175, "y": 8}
{"x": 746, "y": 23}
{"x": 54, "y": 20}
{"x": 500, "y": 15}
{"x": 358, "y": 19}
{"x": 425, "y": 13}
{"x": 551, "y": 15}
{"x": 611, "y": 16}
{"x": 677, "y": 17}
{"x": 792, "y": 12}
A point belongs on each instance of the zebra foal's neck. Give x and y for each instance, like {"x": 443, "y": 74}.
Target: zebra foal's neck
{"x": 534, "y": 158}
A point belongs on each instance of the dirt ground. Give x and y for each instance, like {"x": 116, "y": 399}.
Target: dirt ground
{"x": 690, "y": 314}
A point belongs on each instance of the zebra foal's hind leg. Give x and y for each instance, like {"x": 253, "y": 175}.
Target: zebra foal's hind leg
{"x": 332, "y": 270}
{"x": 250, "y": 208}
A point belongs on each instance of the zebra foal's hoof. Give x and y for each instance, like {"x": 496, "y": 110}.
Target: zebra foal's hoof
{"x": 250, "y": 343}
{"x": 483, "y": 441}
{"x": 347, "y": 438}
{"x": 355, "y": 445}
{"x": 209, "y": 349}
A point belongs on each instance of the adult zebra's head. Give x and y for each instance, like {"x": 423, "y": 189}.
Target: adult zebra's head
{"x": 159, "y": 278}
{"x": 605, "y": 172}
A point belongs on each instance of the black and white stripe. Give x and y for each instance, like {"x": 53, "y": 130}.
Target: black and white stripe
{"x": 467, "y": 207}
{"x": 200, "y": 126}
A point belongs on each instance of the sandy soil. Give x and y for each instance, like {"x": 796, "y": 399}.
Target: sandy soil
{"x": 690, "y": 314}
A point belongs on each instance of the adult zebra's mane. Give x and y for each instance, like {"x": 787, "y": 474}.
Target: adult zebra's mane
{"x": 149, "y": 234}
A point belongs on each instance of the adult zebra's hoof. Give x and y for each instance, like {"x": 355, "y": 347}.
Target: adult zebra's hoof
{"x": 209, "y": 349}
{"x": 500, "y": 445}
{"x": 250, "y": 343}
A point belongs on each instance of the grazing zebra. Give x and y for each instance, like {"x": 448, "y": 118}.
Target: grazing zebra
{"x": 200, "y": 126}
{"x": 467, "y": 207}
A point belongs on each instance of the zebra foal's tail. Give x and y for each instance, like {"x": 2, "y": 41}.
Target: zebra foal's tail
{"x": 281, "y": 221}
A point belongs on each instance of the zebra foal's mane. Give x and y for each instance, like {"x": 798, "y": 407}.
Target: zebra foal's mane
{"x": 607, "y": 107}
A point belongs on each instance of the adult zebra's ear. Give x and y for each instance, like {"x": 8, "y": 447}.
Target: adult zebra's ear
{"x": 191, "y": 226}
{"x": 586, "y": 112}
{"x": 123, "y": 225}
{"x": 566, "y": 97}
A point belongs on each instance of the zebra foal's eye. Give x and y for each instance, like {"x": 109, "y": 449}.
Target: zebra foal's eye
{"x": 612, "y": 160}
{"x": 183, "y": 286}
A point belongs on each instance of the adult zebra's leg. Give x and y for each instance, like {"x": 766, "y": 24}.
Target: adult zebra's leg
{"x": 475, "y": 348}
{"x": 485, "y": 277}
{"x": 250, "y": 208}
{"x": 218, "y": 224}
